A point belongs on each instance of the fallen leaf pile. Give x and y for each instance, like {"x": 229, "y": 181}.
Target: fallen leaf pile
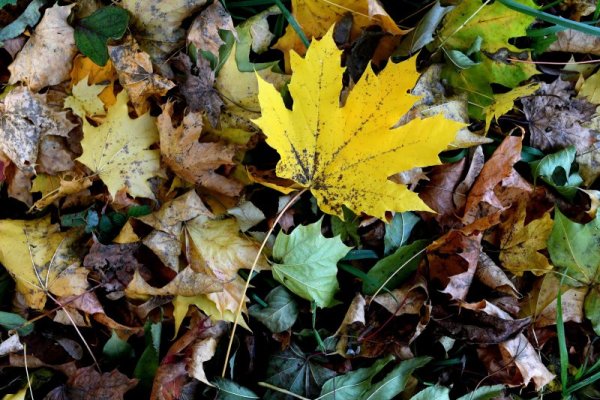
{"x": 349, "y": 199}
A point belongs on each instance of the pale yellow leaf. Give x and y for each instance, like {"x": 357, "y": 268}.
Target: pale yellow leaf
{"x": 118, "y": 150}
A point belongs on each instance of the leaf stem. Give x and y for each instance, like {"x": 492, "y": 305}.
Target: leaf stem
{"x": 251, "y": 273}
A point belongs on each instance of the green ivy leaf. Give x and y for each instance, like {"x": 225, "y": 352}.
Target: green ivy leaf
{"x": 281, "y": 312}
{"x": 92, "y": 32}
{"x": 433, "y": 392}
{"x": 306, "y": 263}
{"x": 556, "y": 170}
{"x": 297, "y": 372}
{"x": 116, "y": 348}
{"x": 347, "y": 228}
{"x": 147, "y": 364}
{"x": 13, "y": 321}
{"x": 7, "y": 2}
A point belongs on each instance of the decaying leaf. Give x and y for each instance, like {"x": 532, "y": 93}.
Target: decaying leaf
{"x": 157, "y": 24}
{"x": 137, "y": 76}
{"x": 26, "y": 119}
{"x": 193, "y": 161}
{"x": 54, "y": 38}
{"x": 87, "y": 383}
{"x": 118, "y": 150}
{"x": 39, "y": 258}
{"x": 204, "y": 32}
{"x": 332, "y": 150}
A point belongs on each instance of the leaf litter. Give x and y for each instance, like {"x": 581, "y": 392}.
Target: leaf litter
{"x": 393, "y": 201}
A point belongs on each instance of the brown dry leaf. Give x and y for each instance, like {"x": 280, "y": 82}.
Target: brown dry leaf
{"x": 193, "y": 161}
{"x": 518, "y": 351}
{"x": 520, "y": 244}
{"x": 477, "y": 327}
{"x": 157, "y": 24}
{"x": 493, "y": 277}
{"x": 407, "y": 299}
{"x": 316, "y": 17}
{"x": 482, "y": 199}
{"x": 202, "y": 351}
{"x": 87, "y": 383}
{"x": 477, "y": 161}
{"x": 453, "y": 259}
{"x": 54, "y": 156}
{"x": 572, "y": 41}
{"x": 438, "y": 193}
{"x": 353, "y": 322}
{"x": 135, "y": 72}
{"x": 19, "y": 184}
{"x": 540, "y": 302}
{"x": 114, "y": 264}
{"x": 169, "y": 381}
{"x": 204, "y": 32}
{"x": 197, "y": 88}
{"x": 25, "y": 120}
{"x": 53, "y": 39}
{"x": 39, "y": 258}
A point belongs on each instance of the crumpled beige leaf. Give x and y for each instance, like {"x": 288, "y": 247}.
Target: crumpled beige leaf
{"x": 136, "y": 74}
{"x": 407, "y": 299}
{"x": 39, "y": 258}
{"x": 572, "y": 41}
{"x": 540, "y": 302}
{"x": 202, "y": 351}
{"x": 157, "y": 24}
{"x": 54, "y": 41}
{"x": 493, "y": 276}
{"x": 191, "y": 160}
{"x": 67, "y": 185}
{"x": 25, "y": 119}
{"x": 204, "y": 32}
{"x": 518, "y": 351}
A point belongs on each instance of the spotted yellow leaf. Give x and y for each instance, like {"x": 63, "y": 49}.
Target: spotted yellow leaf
{"x": 118, "y": 151}
{"x": 345, "y": 154}
{"x": 38, "y": 257}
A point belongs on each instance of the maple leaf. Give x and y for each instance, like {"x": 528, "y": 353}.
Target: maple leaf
{"x": 316, "y": 17}
{"x": 521, "y": 243}
{"x": 118, "y": 150}
{"x": 38, "y": 257}
{"x": 54, "y": 38}
{"x": 191, "y": 160}
{"x": 85, "y": 100}
{"x": 345, "y": 154}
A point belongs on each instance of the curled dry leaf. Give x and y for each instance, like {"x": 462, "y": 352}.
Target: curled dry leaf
{"x": 87, "y": 383}
{"x": 136, "y": 74}
{"x": 193, "y": 161}
{"x": 204, "y": 32}
{"x": 518, "y": 351}
{"x": 26, "y": 119}
{"x": 453, "y": 259}
{"x": 54, "y": 38}
{"x": 491, "y": 275}
{"x": 202, "y": 351}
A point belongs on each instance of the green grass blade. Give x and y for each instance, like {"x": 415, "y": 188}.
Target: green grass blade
{"x": 562, "y": 344}
{"x": 292, "y": 21}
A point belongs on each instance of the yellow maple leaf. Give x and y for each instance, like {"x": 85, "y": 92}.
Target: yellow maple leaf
{"x": 346, "y": 154}
{"x": 38, "y": 257}
{"x": 521, "y": 243}
{"x": 118, "y": 150}
{"x": 85, "y": 100}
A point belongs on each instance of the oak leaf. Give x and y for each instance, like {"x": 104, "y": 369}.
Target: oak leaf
{"x": 54, "y": 38}
{"x": 39, "y": 258}
{"x": 118, "y": 150}
{"x": 345, "y": 154}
